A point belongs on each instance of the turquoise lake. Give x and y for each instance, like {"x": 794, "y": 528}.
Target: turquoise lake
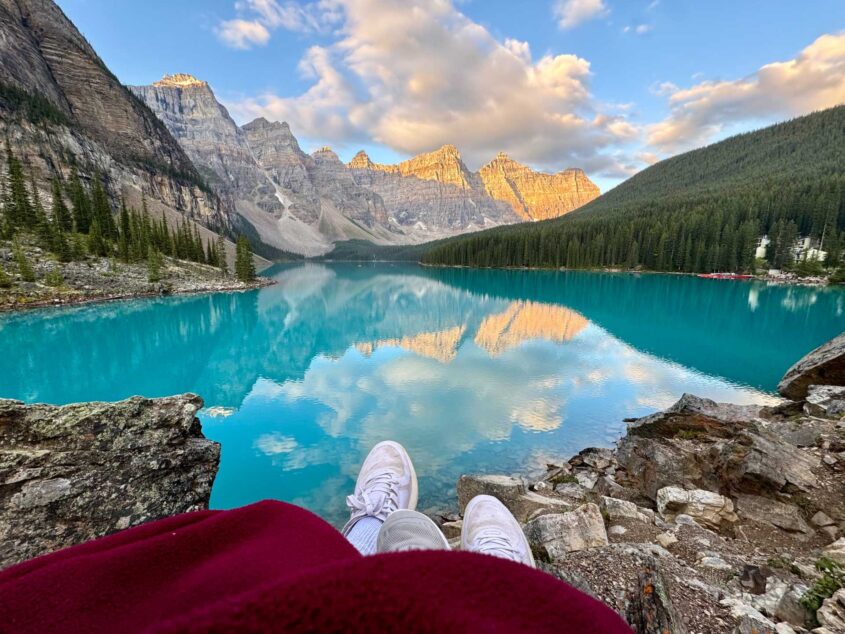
{"x": 473, "y": 371}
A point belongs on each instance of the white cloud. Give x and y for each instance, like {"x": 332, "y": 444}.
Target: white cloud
{"x": 291, "y": 15}
{"x": 243, "y": 34}
{"x": 813, "y": 80}
{"x": 571, "y": 13}
{"x": 259, "y": 17}
{"x": 664, "y": 89}
{"x": 391, "y": 77}
{"x": 274, "y": 444}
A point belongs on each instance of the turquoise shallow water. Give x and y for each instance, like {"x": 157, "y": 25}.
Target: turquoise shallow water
{"x": 474, "y": 371}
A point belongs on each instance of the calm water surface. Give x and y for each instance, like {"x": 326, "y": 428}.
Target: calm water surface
{"x": 473, "y": 371}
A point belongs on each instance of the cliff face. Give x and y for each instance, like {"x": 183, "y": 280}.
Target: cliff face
{"x": 433, "y": 192}
{"x": 98, "y": 122}
{"x": 503, "y": 191}
{"x": 338, "y": 187}
{"x": 212, "y": 140}
{"x": 277, "y": 151}
{"x": 535, "y": 195}
{"x": 321, "y": 202}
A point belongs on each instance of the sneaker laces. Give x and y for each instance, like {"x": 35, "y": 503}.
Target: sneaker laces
{"x": 379, "y": 496}
{"x": 492, "y": 541}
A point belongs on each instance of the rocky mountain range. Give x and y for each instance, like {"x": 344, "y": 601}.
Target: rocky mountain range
{"x": 303, "y": 203}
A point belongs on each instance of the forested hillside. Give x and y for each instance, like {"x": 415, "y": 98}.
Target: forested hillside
{"x": 362, "y": 250}
{"x": 700, "y": 211}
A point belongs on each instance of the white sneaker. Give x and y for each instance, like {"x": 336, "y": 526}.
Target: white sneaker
{"x": 491, "y": 529}
{"x": 408, "y": 530}
{"x": 387, "y": 482}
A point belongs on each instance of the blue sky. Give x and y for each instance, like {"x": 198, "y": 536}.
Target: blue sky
{"x": 607, "y": 85}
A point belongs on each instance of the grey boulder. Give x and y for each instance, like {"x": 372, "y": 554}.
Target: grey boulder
{"x": 823, "y": 366}
{"x": 73, "y": 473}
{"x": 705, "y": 507}
{"x": 764, "y": 510}
{"x": 553, "y": 536}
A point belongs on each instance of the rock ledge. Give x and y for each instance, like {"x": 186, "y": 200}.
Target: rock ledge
{"x": 73, "y": 473}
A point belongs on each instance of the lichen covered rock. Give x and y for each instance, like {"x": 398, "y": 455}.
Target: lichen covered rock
{"x": 73, "y": 473}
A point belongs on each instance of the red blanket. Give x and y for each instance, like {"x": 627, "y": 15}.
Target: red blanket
{"x": 275, "y": 567}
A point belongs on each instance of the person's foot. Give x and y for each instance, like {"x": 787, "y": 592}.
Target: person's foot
{"x": 408, "y": 530}
{"x": 386, "y": 483}
{"x": 490, "y": 529}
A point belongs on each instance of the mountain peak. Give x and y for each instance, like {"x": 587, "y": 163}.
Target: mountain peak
{"x": 260, "y": 123}
{"x": 179, "y": 80}
{"x": 503, "y": 159}
{"x": 448, "y": 150}
{"x": 325, "y": 153}
{"x": 536, "y": 195}
{"x": 361, "y": 161}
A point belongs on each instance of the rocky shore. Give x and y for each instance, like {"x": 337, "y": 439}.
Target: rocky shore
{"x": 104, "y": 279}
{"x": 707, "y": 517}
{"x": 70, "y": 474}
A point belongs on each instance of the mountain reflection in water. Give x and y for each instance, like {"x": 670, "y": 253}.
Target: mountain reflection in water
{"x": 474, "y": 371}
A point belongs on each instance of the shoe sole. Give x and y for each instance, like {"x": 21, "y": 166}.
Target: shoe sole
{"x": 430, "y": 527}
{"x": 468, "y": 511}
{"x": 406, "y": 458}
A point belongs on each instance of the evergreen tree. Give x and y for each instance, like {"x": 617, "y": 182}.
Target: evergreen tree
{"x": 101, "y": 210}
{"x": 222, "y": 264}
{"x": 96, "y": 243}
{"x": 61, "y": 246}
{"x": 19, "y": 210}
{"x": 166, "y": 239}
{"x": 210, "y": 253}
{"x": 24, "y": 267}
{"x": 54, "y": 278}
{"x": 5, "y": 280}
{"x": 61, "y": 215}
{"x": 78, "y": 246}
{"x": 199, "y": 252}
{"x": 154, "y": 265}
{"x": 81, "y": 204}
{"x": 43, "y": 227}
{"x": 834, "y": 248}
{"x": 244, "y": 265}
{"x": 125, "y": 238}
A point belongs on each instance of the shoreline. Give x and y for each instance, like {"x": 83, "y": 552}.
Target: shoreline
{"x": 799, "y": 281}
{"x": 735, "y": 512}
{"x": 81, "y": 300}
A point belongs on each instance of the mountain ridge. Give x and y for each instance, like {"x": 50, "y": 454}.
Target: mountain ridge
{"x": 307, "y": 202}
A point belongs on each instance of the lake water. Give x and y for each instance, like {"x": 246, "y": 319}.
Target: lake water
{"x": 473, "y": 371}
